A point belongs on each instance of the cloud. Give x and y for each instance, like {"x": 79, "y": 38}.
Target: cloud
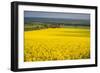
{"x": 40, "y": 14}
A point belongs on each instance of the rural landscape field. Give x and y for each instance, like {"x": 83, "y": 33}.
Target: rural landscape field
{"x": 49, "y": 41}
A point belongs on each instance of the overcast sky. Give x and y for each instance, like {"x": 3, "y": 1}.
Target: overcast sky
{"x": 56, "y": 15}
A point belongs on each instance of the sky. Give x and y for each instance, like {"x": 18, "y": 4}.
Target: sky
{"x": 40, "y": 14}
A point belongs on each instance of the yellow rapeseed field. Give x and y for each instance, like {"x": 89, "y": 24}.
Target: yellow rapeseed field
{"x": 56, "y": 44}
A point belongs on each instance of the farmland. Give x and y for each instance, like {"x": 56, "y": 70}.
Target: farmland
{"x": 50, "y": 44}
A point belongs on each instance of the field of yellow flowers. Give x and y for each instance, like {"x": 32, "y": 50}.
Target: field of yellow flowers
{"x": 56, "y": 44}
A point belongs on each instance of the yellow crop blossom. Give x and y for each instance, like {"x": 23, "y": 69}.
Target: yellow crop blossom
{"x": 57, "y": 44}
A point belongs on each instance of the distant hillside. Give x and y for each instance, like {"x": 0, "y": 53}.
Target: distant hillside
{"x": 28, "y": 20}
